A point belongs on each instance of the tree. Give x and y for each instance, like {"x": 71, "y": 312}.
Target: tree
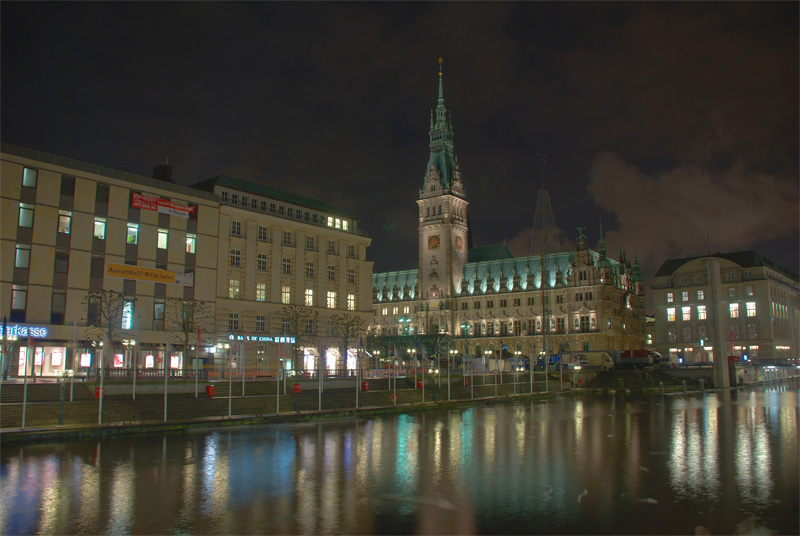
{"x": 184, "y": 317}
{"x": 347, "y": 329}
{"x": 295, "y": 322}
{"x": 105, "y": 311}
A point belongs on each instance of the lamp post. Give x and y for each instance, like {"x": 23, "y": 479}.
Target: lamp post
{"x": 130, "y": 349}
{"x": 575, "y": 369}
{"x": 516, "y": 365}
{"x": 278, "y": 387}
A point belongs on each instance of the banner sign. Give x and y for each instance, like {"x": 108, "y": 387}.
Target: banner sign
{"x": 154, "y": 275}
{"x": 163, "y": 206}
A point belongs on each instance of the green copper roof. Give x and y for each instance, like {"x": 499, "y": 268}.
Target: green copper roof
{"x": 272, "y": 193}
{"x": 489, "y": 253}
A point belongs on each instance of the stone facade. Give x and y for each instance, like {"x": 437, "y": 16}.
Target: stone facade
{"x": 727, "y": 304}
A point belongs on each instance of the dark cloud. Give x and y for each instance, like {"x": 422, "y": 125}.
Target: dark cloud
{"x": 674, "y": 114}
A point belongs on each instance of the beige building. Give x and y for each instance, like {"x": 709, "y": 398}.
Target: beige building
{"x": 69, "y": 229}
{"x": 278, "y": 250}
{"x": 727, "y": 304}
{"x": 234, "y": 253}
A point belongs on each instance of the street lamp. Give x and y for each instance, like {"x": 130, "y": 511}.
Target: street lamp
{"x": 131, "y": 343}
{"x": 575, "y": 369}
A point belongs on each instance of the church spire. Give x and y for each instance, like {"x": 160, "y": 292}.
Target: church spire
{"x": 442, "y": 173}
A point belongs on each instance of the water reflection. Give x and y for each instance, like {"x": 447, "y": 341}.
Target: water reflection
{"x": 594, "y": 464}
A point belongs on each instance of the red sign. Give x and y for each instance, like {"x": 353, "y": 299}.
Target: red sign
{"x": 163, "y": 206}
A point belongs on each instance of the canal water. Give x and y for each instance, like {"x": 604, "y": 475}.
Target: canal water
{"x": 722, "y": 462}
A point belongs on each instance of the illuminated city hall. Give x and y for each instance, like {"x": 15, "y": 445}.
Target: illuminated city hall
{"x": 475, "y": 300}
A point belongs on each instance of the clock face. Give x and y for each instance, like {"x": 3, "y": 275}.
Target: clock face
{"x": 459, "y": 243}
{"x": 434, "y": 242}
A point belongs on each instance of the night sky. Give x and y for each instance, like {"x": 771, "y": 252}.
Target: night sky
{"x": 661, "y": 120}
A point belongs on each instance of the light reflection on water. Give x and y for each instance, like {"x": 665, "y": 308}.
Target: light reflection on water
{"x": 600, "y": 464}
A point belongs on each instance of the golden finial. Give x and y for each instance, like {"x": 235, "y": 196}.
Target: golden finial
{"x": 441, "y": 59}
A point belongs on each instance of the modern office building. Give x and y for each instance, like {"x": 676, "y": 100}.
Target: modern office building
{"x": 184, "y": 276}
{"x": 727, "y": 304}
{"x": 475, "y": 301}
{"x": 71, "y": 230}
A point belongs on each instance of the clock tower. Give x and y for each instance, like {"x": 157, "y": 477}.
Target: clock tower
{"x": 442, "y": 224}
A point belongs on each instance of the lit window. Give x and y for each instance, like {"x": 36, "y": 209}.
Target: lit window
{"x": 64, "y": 221}
{"x": 331, "y": 299}
{"x": 406, "y": 309}
{"x": 330, "y": 221}
{"x": 286, "y": 266}
{"x": 236, "y": 258}
{"x": 686, "y": 313}
{"x": 236, "y": 228}
{"x": 309, "y": 297}
{"x": 23, "y": 256}
{"x": 100, "y": 228}
{"x": 309, "y": 268}
{"x": 344, "y": 224}
{"x": 29, "y": 177}
{"x": 351, "y": 302}
{"x": 127, "y": 314}
{"x": 133, "y": 233}
{"x": 191, "y": 243}
{"x": 233, "y": 289}
{"x": 395, "y": 310}
{"x": 670, "y": 297}
{"x": 701, "y": 295}
{"x": 385, "y": 311}
{"x": 25, "y": 215}
{"x": 261, "y": 262}
{"x": 701, "y": 312}
{"x": 338, "y": 224}
{"x": 286, "y": 295}
{"x": 751, "y": 308}
{"x": 685, "y": 295}
{"x": 163, "y": 236}
{"x": 19, "y": 297}
{"x": 734, "y": 309}
{"x": 261, "y": 292}
{"x": 670, "y": 314}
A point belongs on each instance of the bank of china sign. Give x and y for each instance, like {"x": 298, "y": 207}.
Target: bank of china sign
{"x": 153, "y": 275}
{"x": 261, "y": 338}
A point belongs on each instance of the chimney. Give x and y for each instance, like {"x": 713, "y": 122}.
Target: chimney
{"x": 163, "y": 172}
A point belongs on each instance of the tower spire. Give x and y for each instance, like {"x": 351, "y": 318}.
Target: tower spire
{"x": 442, "y": 172}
